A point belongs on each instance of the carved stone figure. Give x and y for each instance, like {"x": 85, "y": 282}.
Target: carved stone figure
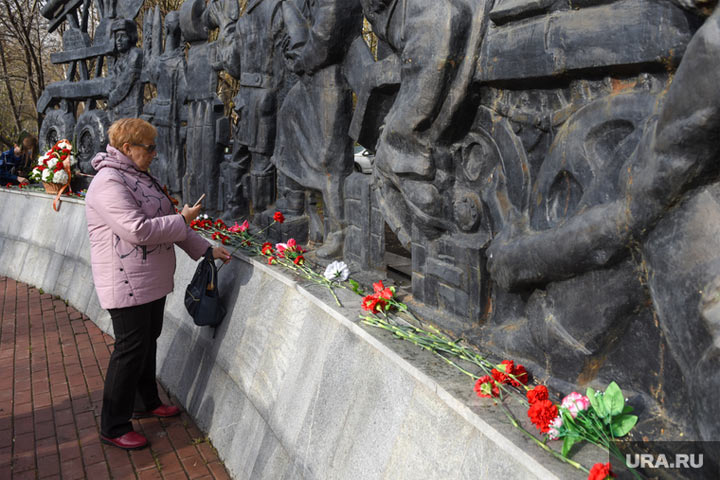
{"x": 313, "y": 148}
{"x": 167, "y": 111}
{"x": 206, "y": 126}
{"x": 661, "y": 192}
{"x": 257, "y": 63}
{"x": 429, "y": 38}
{"x": 125, "y": 98}
{"x": 550, "y": 169}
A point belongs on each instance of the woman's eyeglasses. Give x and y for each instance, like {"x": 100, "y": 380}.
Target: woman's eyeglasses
{"x": 149, "y": 148}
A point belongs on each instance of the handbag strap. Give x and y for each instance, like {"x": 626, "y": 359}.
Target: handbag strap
{"x": 209, "y": 258}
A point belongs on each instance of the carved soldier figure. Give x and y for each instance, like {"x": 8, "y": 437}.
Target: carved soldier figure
{"x": 125, "y": 98}
{"x": 204, "y": 140}
{"x": 430, "y": 40}
{"x": 167, "y": 72}
{"x": 313, "y": 147}
{"x": 257, "y": 53}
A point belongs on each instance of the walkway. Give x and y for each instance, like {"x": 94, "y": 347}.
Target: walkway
{"x": 52, "y": 365}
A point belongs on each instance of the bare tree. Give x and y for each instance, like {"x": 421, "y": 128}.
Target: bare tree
{"x": 25, "y": 66}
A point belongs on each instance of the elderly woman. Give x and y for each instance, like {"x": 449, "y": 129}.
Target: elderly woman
{"x": 133, "y": 228}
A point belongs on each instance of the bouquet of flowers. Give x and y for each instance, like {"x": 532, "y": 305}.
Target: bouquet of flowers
{"x": 53, "y": 168}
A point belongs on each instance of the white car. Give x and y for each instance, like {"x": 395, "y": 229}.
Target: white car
{"x": 364, "y": 159}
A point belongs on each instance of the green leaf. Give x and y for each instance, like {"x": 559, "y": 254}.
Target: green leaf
{"x": 596, "y": 401}
{"x": 613, "y": 399}
{"x": 622, "y": 424}
{"x": 627, "y": 409}
{"x": 568, "y": 442}
{"x": 355, "y": 286}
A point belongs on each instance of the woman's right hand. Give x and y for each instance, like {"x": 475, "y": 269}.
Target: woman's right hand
{"x": 190, "y": 213}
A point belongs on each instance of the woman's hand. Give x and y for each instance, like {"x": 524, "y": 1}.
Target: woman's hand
{"x": 221, "y": 253}
{"x": 190, "y": 213}
{"x": 22, "y": 180}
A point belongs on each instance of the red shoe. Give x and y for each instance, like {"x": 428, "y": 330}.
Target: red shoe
{"x": 129, "y": 441}
{"x": 163, "y": 411}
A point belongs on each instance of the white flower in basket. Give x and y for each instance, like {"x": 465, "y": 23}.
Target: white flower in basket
{"x": 60, "y": 177}
{"x": 51, "y": 165}
{"x": 47, "y": 175}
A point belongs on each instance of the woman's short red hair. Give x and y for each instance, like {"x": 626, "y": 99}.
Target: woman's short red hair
{"x": 130, "y": 130}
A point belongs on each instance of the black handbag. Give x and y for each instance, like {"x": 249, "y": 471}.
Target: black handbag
{"x": 202, "y": 299}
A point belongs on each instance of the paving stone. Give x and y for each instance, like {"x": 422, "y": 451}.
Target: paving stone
{"x": 50, "y": 405}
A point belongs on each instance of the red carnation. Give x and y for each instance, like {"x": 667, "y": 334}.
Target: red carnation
{"x": 373, "y": 303}
{"x": 500, "y": 374}
{"x": 225, "y": 239}
{"x": 537, "y": 394}
{"x": 272, "y": 260}
{"x": 299, "y": 260}
{"x": 521, "y": 376}
{"x": 486, "y": 387}
{"x": 601, "y": 471}
{"x": 215, "y": 235}
{"x": 279, "y": 217}
{"x": 541, "y": 413}
{"x": 267, "y": 248}
{"x": 382, "y": 291}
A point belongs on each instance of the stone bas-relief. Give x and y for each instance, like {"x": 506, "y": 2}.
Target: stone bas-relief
{"x": 167, "y": 111}
{"x": 549, "y": 170}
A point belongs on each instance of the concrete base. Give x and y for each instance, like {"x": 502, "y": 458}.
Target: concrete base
{"x": 291, "y": 387}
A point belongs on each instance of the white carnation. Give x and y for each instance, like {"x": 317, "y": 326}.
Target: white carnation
{"x": 337, "y": 271}
{"x": 47, "y": 175}
{"x": 60, "y": 177}
{"x": 52, "y": 161}
{"x": 63, "y": 144}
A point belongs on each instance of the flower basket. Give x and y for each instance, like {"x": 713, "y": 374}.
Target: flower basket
{"x": 52, "y": 188}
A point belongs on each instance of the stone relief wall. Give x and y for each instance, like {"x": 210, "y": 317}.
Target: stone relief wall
{"x": 548, "y": 168}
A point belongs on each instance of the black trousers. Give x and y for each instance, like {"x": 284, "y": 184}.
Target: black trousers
{"x": 130, "y": 381}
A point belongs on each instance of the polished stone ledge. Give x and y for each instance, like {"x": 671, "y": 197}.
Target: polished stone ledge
{"x": 291, "y": 386}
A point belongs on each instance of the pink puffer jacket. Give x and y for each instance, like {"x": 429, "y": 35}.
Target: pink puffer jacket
{"x": 132, "y": 226}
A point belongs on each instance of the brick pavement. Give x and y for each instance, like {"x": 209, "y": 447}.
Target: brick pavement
{"x": 52, "y": 365}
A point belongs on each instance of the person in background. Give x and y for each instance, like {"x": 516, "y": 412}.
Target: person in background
{"x": 18, "y": 161}
{"x": 133, "y": 228}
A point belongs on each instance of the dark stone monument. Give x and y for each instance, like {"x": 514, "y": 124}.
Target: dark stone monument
{"x": 256, "y": 61}
{"x": 125, "y": 98}
{"x": 623, "y": 212}
{"x": 167, "y": 111}
{"x": 549, "y": 170}
{"x": 206, "y": 126}
{"x": 313, "y": 149}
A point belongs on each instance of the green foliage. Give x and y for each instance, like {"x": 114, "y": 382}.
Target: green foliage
{"x": 568, "y": 442}
{"x": 622, "y": 424}
{"x": 613, "y": 399}
{"x": 355, "y": 286}
{"x": 596, "y": 401}
{"x": 611, "y": 409}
